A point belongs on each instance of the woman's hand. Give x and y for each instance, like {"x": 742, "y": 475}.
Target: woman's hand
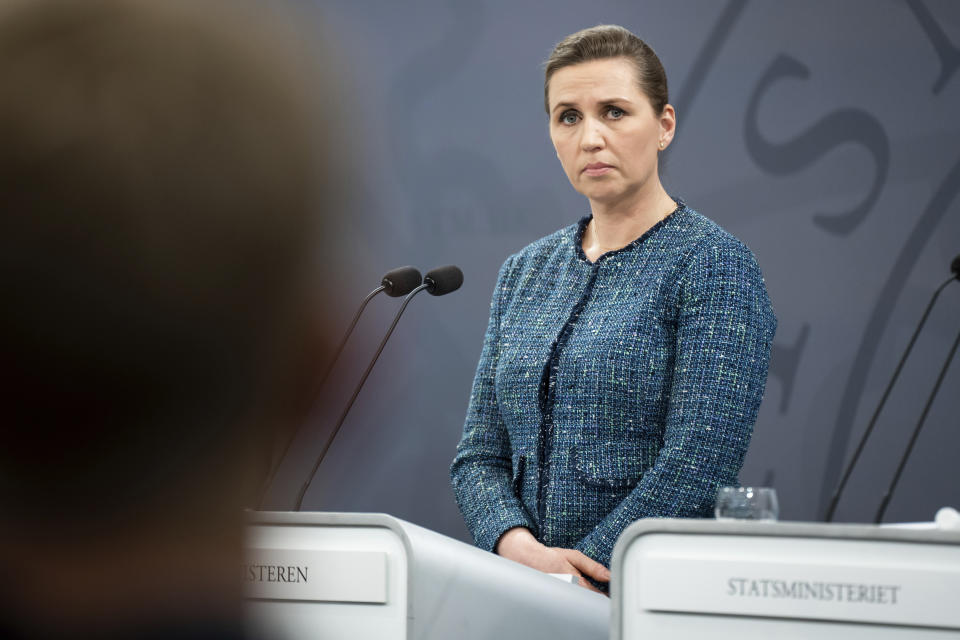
{"x": 519, "y": 545}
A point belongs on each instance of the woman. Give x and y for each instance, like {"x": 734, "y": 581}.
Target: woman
{"x": 626, "y": 355}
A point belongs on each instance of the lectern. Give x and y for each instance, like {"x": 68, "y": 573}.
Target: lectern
{"x": 354, "y": 576}
{"x": 742, "y": 579}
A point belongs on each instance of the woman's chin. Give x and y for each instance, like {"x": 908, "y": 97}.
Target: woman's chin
{"x": 605, "y": 197}
{"x": 599, "y": 192}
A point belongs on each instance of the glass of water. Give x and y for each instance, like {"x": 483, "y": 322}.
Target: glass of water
{"x": 747, "y": 503}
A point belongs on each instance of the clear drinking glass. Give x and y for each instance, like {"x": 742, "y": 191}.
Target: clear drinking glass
{"x": 747, "y": 503}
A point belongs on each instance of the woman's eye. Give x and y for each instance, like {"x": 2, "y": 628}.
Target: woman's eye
{"x": 615, "y": 113}
{"x": 569, "y": 117}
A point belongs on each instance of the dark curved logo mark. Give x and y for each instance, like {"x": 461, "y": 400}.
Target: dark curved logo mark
{"x": 833, "y": 130}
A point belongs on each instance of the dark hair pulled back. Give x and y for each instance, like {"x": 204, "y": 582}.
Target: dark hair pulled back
{"x": 610, "y": 41}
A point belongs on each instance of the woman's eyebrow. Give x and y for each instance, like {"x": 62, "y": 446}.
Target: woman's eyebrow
{"x": 564, "y": 105}
{"x": 605, "y": 101}
{"x": 617, "y": 99}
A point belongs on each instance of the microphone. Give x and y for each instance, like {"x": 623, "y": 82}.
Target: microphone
{"x": 403, "y": 280}
{"x": 444, "y": 280}
{"x": 395, "y": 283}
{"x": 835, "y": 500}
{"x": 438, "y": 282}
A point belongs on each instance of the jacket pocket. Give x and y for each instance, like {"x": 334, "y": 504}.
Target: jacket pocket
{"x": 613, "y": 465}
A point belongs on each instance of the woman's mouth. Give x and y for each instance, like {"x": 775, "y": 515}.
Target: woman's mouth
{"x": 597, "y": 169}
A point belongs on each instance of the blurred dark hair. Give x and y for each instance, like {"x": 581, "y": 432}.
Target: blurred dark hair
{"x": 161, "y": 189}
{"x": 610, "y": 41}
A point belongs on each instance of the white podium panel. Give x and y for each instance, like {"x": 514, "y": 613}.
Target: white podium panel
{"x": 704, "y": 578}
{"x": 354, "y": 576}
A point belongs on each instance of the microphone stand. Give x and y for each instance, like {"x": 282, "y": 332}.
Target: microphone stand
{"x": 835, "y": 500}
{"x": 286, "y": 449}
{"x": 395, "y": 283}
{"x": 916, "y": 431}
{"x": 356, "y": 392}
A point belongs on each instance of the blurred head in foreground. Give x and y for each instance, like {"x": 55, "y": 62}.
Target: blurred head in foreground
{"x": 162, "y": 194}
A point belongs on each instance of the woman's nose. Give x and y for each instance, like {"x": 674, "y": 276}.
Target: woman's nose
{"x": 591, "y": 136}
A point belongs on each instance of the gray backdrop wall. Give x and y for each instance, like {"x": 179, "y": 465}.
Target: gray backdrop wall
{"x": 823, "y": 134}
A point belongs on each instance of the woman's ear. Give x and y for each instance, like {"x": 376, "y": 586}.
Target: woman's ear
{"x": 668, "y": 125}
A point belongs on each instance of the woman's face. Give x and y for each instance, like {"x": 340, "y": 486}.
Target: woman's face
{"x": 605, "y": 131}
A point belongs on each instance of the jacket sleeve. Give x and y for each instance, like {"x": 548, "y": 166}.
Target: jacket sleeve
{"x": 482, "y": 471}
{"x": 725, "y": 328}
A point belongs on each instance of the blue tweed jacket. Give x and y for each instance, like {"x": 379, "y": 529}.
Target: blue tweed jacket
{"x": 616, "y": 390}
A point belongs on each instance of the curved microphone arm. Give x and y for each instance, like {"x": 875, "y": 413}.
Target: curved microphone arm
{"x": 353, "y": 323}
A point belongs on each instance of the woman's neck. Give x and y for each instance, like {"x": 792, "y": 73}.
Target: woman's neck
{"x": 615, "y": 225}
